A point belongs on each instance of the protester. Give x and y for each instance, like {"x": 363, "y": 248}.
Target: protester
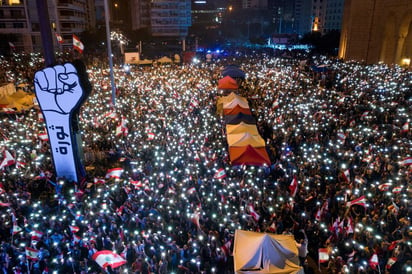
{"x": 343, "y": 133}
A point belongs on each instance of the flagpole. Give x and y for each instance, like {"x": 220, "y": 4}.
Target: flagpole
{"x": 109, "y": 51}
{"x": 45, "y": 32}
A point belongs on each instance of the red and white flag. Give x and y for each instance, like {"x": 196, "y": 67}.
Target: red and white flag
{"x": 293, "y": 187}
{"x": 8, "y": 159}
{"x": 226, "y": 248}
{"x": 115, "y": 173}
{"x": 150, "y": 136}
{"x": 43, "y": 136}
{"x": 59, "y": 38}
{"x": 397, "y": 189}
{"x": 191, "y": 190}
{"x": 359, "y": 201}
{"x": 106, "y": 258}
{"x": 323, "y": 255}
{"x": 31, "y": 253}
{"x": 374, "y": 261}
{"x": 391, "y": 262}
{"x": 16, "y": 228}
{"x": 77, "y": 44}
{"x": 406, "y": 162}
{"x": 99, "y": 181}
{"x": 36, "y": 235}
{"x": 122, "y": 129}
{"x": 384, "y": 187}
{"x": 253, "y": 213}
{"x": 220, "y": 174}
{"x": 405, "y": 127}
{"x": 74, "y": 229}
{"x": 346, "y": 175}
{"x": 4, "y": 204}
{"x": 196, "y": 219}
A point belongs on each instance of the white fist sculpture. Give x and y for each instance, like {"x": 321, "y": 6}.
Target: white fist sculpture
{"x": 60, "y": 91}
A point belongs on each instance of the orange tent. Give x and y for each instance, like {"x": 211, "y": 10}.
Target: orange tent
{"x": 245, "y": 139}
{"x": 241, "y": 128}
{"x": 248, "y": 155}
{"x": 227, "y": 83}
{"x": 227, "y": 99}
{"x": 237, "y": 109}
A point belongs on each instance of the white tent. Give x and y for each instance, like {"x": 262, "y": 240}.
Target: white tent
{"x": 255, "y": 253}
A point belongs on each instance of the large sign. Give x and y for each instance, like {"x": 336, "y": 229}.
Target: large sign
{"x": 60, "y": 91}
{"x": 131, "y": 58}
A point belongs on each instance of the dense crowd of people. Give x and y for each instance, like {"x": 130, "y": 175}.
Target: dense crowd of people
{"x": 340, "y": 129}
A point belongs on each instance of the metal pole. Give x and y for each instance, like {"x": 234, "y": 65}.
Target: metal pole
{"x": 45, "y": 32}
{"x": 109, "y": 51}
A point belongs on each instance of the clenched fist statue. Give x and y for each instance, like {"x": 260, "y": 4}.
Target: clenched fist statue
{"x": 60, "y": 90}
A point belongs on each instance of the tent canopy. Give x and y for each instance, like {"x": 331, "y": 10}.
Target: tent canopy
{"x": 241, "y": 128}
{"x": 227, "y": 83}
{"x": 238, "y": 118}
{"x": 237, "y": 109}
{"x": 245, "y": 139}
{"x": 235, "y": 102}
{"x": 230, "y": 97}
{"x": 265, "y": 253}
{"x": 248, "y": 155}
{"x": 233, "y": 71}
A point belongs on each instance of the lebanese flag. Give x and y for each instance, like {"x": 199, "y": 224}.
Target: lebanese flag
{"x": 115, "y": 173}
{"x": 346, "y": 175}
{"x": 405, "y": 127}
{"x": 122, "y": 129}
{"x": 365, "y": 114}
{"x": 99, "y": 181}
{"x": 36, "y": 235}
{"x": 197, "y": 157}
{"x": 59, "y": 38}
{"x": 106, "y": 258}
{"x": 150, "y": 136}
{"x": 384, "y": 187}
{"x": 8, "y": 159}
{"x": 323, "y": 255}
{"x": 112, "y": 115}
{"x": 397, "y": 189}
{"x": 391, "y": 261}
{"x": 32, "y": 253}
{"x": 359, "y": 201}
{"x": 76, "y": 238}
{"x": 196, "y": 219}
{"x": 74, "y": 229}
{"x": 220, "y": 174}
{"x": 137, "y": 183}
{"x": 393, "y": 245}
{"x": 77, "y": 44}
{"x": 293, "y": 187}
{"x": 406, "y": 162}
{"x": 275, "y": 104}
{"x": 43, "y": 137}
{"x": 252, "y": 212}
{"x": 191, "y": 190}
{"x": 226, "y": 248}
{"x": 341, "y": 136}
{"x": 16, "y": 228}
{"x": 374, "y": 261}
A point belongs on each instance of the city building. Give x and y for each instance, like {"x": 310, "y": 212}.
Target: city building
{"x": 377, "y": 31}
{"x": 67, "y": 17}
{"x": 163, "y": 18}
